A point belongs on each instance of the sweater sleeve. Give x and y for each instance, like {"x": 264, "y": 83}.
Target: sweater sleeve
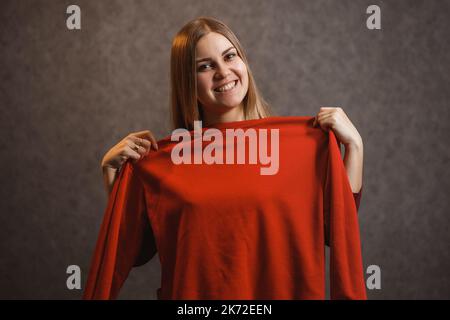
{"x": 342, "y": 230}
{"x": 125, "y": 238}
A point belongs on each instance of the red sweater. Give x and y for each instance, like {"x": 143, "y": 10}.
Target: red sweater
{"x": 224, "y": 231}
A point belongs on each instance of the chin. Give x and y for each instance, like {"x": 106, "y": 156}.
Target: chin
{"x": 229, "y": 106}
{"x": 230, "y": 103}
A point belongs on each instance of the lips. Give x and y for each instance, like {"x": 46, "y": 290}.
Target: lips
{"x": 229, "y": 86}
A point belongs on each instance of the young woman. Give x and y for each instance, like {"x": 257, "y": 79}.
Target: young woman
{"x": 211, "y": 81}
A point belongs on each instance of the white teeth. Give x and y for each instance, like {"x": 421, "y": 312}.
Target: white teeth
{"x": 227, "y": 87}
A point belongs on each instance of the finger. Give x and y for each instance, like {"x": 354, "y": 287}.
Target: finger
{"x": 334, "y": 118}
{"x": 316, "y": 119}
{"x": 135, "y": 147}
{"x": 325, "y": 121}
{"x": 325, "y": 112}
{"x": 131, "y": 154}
{"x": 315, "y": 122}
{"x": 141, "y": 142}
{"x": 147, "y": 134}
{"x": 322, "y": 113}
{"x": 325, "y": 116}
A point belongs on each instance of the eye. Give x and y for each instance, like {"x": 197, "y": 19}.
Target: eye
{"x": 230, "y": 56}
{"x": 204, "y": 67}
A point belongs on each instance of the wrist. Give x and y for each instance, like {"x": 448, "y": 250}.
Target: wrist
{"x": 354, "y": 145}
{"x": 108, "y": 168}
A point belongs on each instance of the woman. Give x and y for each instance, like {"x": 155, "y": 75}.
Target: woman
{"x": 211, "y": 81}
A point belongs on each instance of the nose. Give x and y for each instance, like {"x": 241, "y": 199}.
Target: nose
{"x": 222, "y": 70}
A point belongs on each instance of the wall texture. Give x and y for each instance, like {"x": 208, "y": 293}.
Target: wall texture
{"x": 67, "y": 96}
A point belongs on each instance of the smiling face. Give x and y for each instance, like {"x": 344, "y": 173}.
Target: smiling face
{"x": 222, "y": 78}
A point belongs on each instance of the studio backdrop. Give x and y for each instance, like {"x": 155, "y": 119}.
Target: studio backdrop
{"x": 72, "y": 89}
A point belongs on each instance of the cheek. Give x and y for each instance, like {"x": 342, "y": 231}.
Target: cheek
{"x": 202, "y": 85}
{"x": 244, "y": 80}
{"x": 243, "y": 74}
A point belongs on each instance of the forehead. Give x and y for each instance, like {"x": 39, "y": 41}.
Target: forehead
{"x": 212, "y": 44}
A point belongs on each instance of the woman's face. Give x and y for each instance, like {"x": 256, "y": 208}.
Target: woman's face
{"x": 222, "y": 78}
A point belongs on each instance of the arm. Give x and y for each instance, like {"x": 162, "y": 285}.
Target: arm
{"x": 109, "y": 176}
{"x": 353, "y": 161}
{"x": 334, "y": 118}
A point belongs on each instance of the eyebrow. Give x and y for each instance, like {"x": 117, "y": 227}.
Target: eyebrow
{"x": 207, "y": 59}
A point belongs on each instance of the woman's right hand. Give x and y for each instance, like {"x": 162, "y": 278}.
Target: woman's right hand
{"x": 134, "y": 146}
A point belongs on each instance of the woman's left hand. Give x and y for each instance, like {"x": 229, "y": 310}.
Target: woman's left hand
{"x": 336, "y": 120}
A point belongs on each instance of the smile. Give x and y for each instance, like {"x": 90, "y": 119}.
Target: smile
{"x": 228, "y": 87}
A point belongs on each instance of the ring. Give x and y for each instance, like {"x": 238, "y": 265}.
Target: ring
{"x": 136, "y": 147}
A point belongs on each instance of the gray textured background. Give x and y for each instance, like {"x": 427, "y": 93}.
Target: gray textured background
{"x": 67, "y": 96}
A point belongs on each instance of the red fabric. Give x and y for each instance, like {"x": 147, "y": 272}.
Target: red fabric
{"x": 228, "y": 232}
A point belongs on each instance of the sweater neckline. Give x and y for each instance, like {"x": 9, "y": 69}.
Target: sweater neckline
{"x": 237, "y": 123}
{"x": 242, "y": 124}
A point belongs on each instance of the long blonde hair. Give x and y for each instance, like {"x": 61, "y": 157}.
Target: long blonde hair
{"x": 183, "y": 75}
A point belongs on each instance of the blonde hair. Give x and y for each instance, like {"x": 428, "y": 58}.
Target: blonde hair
{"x": 183, "y": 76}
